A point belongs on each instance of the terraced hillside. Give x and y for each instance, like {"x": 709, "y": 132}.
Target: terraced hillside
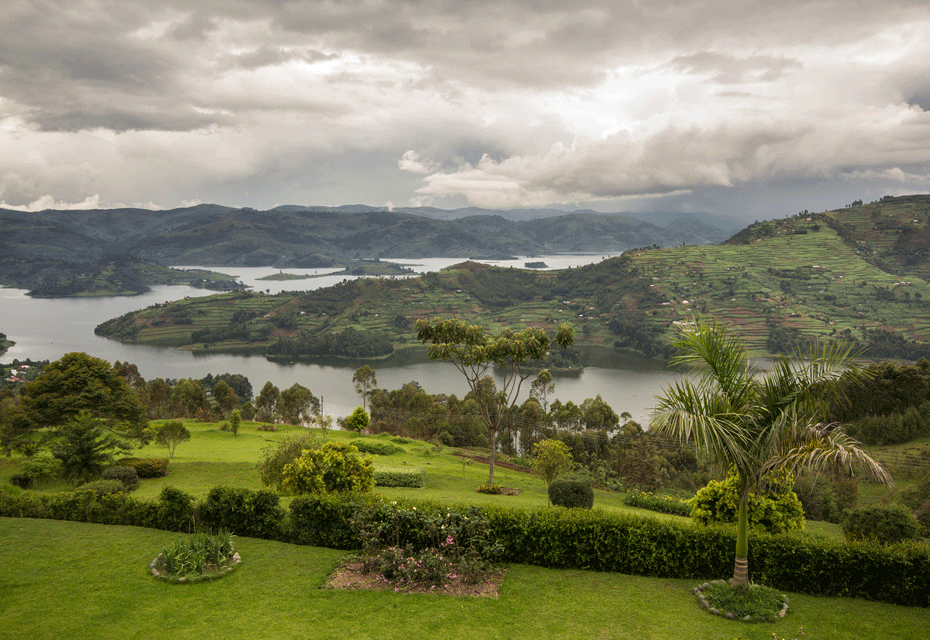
{"x": 778, "y": 284}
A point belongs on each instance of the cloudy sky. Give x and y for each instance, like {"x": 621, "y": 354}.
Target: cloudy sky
{"x": 754, "y": 109}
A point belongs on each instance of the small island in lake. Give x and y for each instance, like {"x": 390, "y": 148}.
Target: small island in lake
{"x": 536, "y": 265}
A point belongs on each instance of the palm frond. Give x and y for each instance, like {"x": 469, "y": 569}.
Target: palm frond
{"x": 819, "y": 447}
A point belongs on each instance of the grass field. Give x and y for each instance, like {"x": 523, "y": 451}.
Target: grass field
{"x": 75, "y": 581}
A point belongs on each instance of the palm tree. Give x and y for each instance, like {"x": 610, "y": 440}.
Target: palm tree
{"x": 756, "y": 423}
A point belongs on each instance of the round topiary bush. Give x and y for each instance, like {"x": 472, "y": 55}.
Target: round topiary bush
{"x": 888, "y": 525}
{"x": 102, "y": 487}
{"x": 571, "y": 491}
{"x": 127, "y": 475}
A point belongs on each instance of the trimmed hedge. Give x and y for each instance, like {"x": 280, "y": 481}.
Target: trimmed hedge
{"x": 173, "y": 511}
{"x": 323, "y": 520}
{"x": 573, "y": 492}
{"x": 894, "y": 523}
{"x": 549, "y": 537}
{"x": 146, "y": 467}
{"x": 376, "y": 447}
{"x": 256, "y": 514}
{"x": 125, "y": 474}
{"x": 400, "y": 477}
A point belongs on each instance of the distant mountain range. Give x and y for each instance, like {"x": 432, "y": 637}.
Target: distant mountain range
{"x": 660, "y": 218}
{"x": 36, "y": 248}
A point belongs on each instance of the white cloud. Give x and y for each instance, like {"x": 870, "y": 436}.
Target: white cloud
{"x": 411, "y": 162}
{"x": 48, "y": 202}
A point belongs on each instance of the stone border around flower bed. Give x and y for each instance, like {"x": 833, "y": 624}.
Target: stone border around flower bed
{"x": 698, "y": 591}
{"x": 232, "y": 564}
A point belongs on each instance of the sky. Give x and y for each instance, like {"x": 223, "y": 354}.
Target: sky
{"x": 752, "y": 109}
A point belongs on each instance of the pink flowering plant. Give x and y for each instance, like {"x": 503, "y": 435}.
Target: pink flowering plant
{"x": 433, "y": 547}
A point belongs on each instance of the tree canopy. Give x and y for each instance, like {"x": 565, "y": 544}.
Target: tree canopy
{"x": 73, "y": 384}
{"x": 475, "y": 352}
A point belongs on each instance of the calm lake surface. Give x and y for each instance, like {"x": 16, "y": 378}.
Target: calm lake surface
{"x": 49, "y": 328}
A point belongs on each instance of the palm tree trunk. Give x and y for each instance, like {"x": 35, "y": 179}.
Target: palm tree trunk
{"x": 741, "y": 565}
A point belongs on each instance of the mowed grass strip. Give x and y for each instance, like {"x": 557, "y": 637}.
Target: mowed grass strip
{"x": 77, "y": 581}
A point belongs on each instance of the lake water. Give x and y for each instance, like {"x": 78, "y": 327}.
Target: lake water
{"x": 47, "y": 328}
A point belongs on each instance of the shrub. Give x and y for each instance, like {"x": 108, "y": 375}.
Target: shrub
{"x": 887, "y": 525}
{"x": 661, "y": 503}
{"x": 101, "y": 487}
{"x": 21, "y": 480}
{"x": 817, "y": 501}
{"x": 358, "y": 420}
{"x": 146, "y": 467}
{"x": 127, "y": 475}
{"x": 333, "y": 468}
{"x": 425, "y": 543}
{"x": 571, "y": 491}
{"x": 244, "y": 512}
{"x": 408, "y": 568}
{"x": 375, "y": 447}
{"x": 325, "y": 520}
{"x": 175, "y": 510}
{"x": 400, "y": 478}
{"x": 278, "y": 455}
{"x": 491, "y": 488}
{"x": 42, "y": 469}
{"x": 776, "y": 511}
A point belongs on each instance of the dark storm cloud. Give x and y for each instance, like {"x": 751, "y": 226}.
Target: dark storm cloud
{"x": 502, "y": 102}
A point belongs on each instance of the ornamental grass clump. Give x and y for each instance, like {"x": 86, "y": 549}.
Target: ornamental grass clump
{"x": 749, "y": 603}
{"x": 198, "y": 557}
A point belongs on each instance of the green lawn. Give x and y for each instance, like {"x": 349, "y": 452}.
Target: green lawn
{"x": 74, "y": 580}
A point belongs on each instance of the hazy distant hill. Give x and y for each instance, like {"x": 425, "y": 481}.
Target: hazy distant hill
{"x": 315, "y": 236}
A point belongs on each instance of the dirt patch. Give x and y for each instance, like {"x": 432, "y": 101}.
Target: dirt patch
{"x": 350, "y": 576}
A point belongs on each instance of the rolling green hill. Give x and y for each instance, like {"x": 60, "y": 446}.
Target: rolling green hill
{"x": 778, "y": 284}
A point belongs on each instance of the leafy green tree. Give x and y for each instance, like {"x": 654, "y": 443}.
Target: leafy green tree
{"x": 73, "y": 384}
{"x": 598, "y": 415}
{"x": 358, "y": 420}
{"x": 474, "y": 352}
{"x": 85, "y": 448}
{"x": 171, "y": 434}
{"x": 297, "y": 405}
{"x": 641, "y": 468}
{"x": 266, "y": 404}
{"x": 551, "y": 458}
{"x": 542, "y": 387}
{"x": 189, "y": 400}
{"x": 226, "y": 399}
{"x": 759, "y": 424}
{"x": 248, "y": 410}
{"x": 235, "y": 420}
{"x": 364, "y": 381}
{"x": 333, "y": 468}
